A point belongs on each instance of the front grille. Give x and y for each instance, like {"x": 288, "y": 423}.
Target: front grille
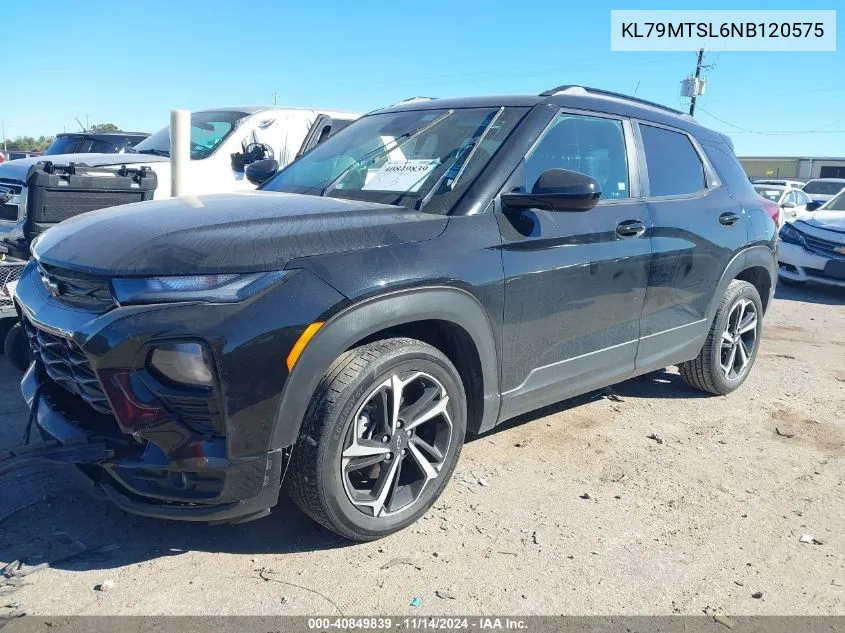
{"x": 821, "y": 246}
{"x": 15, "y": 185}
{"x": 8, "y": 273}
{"x": 77, "y": 288}
{"x": 9, "y": 212}
{"x": 67, "y": 366}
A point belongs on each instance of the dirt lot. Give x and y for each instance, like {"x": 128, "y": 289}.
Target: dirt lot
{"x": 703, "y": 521}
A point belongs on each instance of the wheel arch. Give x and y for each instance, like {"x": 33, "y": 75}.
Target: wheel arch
{"x": 756, "y": 265}
{"x": 448, "y": 318}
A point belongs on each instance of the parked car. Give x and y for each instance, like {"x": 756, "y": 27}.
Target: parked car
{"x": 821, "y": 190}
{"x": 223, "y": 142}
{"x": 812, "y": 248}
{"x": 94, "y": 142}
{"x": 797, "y": 184}
{"x": 433, "y": 269}
{"x": 14, "y": 154}
{"x": 789, "y": 200}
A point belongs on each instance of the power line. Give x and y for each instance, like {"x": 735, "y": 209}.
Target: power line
{"x": 824, "y": 130}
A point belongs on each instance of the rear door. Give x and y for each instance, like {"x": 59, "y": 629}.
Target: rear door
{"x": 574, "y": 282}
{"x": 698, "y": 228}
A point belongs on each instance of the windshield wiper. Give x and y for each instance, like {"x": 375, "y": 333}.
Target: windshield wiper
{"x": 153, "y": 152}
{"x": 397, "y": 143}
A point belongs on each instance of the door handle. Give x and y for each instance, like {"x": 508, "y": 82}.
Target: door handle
{"x": 729, "y": 218}
{"x": 630, "y": 228}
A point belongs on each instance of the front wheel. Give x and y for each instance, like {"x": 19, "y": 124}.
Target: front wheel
{"x": 380, "y": 440}
{"x": 731, "y": 346}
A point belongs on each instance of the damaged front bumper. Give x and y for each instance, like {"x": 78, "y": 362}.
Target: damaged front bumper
{"x": 104, "y": 460}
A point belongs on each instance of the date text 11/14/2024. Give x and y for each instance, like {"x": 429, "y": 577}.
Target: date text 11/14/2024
{"x": 418, "y": 623}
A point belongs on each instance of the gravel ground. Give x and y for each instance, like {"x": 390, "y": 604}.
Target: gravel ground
{"x": 571, "y": 510}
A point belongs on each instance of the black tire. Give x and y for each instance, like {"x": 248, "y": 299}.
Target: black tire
{"x": 315, "y": 480}
{"x": 16, "y": 347}
{"x": 705, "y": 372}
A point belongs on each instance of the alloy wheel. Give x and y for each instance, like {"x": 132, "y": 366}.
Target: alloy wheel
{"x": 396, "y": 444}
{"x": 738, "y": 339}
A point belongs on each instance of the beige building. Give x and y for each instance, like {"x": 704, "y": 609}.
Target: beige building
{"x": 799, "y": 168}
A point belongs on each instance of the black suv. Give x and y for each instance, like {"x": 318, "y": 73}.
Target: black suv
{"x": 433, "y": 269}
{"x": 94, "y": 142}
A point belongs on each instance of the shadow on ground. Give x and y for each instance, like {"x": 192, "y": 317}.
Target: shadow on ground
{"x": 54, "y": 514}
{"x": 811, "y": 293}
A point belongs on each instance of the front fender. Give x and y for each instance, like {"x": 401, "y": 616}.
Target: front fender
{"x": 363, "y": 319}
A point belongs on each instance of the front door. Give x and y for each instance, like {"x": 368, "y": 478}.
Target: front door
{"x": 574, "y": 281}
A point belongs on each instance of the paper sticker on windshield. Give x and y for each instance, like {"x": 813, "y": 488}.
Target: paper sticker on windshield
{"x": 402, "y": 175}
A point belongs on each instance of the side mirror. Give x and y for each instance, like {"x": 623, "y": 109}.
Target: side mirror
{"x": 557, "y": 190}
{"x": 261, "y": 171}
{"x": 789, "y": 205}
{"x": 812, "y": 205}
{"x": 251, "y": 154}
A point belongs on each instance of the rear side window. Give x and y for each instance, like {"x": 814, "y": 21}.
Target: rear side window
{"x": 674, "y": 167}
{"x": 728, "y": 167}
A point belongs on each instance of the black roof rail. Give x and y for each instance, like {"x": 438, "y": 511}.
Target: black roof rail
{"x": 609, "y": 93}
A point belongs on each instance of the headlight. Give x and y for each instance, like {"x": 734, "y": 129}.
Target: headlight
{"x": 791, "y": 235}
{"x": 225, "y": 288}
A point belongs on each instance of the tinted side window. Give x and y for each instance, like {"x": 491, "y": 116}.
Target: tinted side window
{"x": 589, "y": 145}
{"x": 727, "y": 166}
{"x": 674, "y": 167}
{"x": 99, "y": 146}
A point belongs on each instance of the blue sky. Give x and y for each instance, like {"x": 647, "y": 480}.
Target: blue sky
{"x": 130, "y": 62}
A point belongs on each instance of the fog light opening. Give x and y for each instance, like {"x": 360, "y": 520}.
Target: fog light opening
{"x": 182, "y": 363}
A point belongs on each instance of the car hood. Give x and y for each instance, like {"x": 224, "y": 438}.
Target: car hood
{"x": 18, "y": 169}
{"x": 821, "y": 219}
{"x": 226, "y": 233}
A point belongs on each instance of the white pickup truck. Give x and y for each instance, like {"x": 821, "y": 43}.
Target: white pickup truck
{"x": 223, "y": 142}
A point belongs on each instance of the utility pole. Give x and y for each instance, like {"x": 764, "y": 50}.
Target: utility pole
{"x": 697, "y": 77}
{"x": 693, "y": 86}
{"x": 275, "y": 98}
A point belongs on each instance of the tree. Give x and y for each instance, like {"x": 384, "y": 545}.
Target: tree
{"x": 104, "y": 127}
{"x": 29, "y": 143}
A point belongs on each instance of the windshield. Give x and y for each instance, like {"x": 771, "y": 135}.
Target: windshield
{"x": 769, "y": 194}
{"x": 418, "y": 158}
{"x": 837, "y": 203}
{"x": 824, "y": 187}
{"x": 208, "y": 131}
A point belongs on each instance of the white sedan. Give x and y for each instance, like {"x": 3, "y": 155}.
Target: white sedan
{"x": 791, "y": 201}
{"x": 812, "y": 248}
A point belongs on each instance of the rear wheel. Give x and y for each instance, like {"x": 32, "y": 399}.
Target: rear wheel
{"x": 16, "y": 347}
{"x": 380, "y": 440}
{"x": 731, "y": 346}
